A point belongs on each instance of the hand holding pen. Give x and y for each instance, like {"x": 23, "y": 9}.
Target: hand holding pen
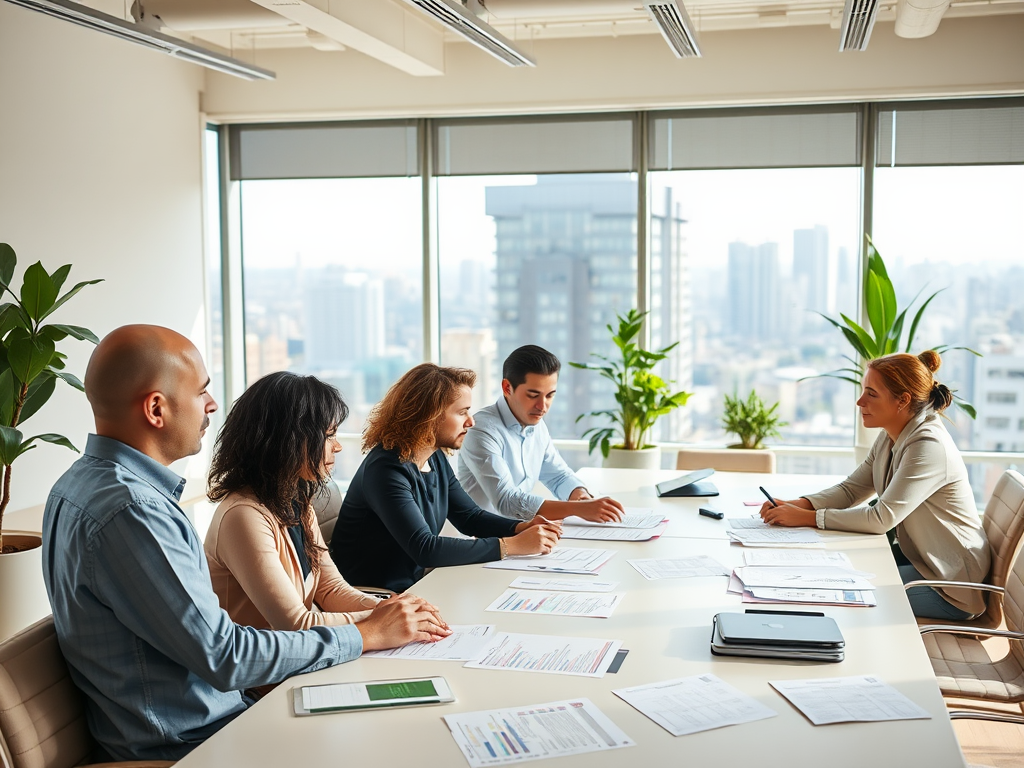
{"x": 794, "y": 512}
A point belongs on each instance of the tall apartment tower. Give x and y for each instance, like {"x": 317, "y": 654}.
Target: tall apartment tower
{"x": 754, "y": 290}
{"x": 344, "y": 319}
{"x": 566, "y": 264}
{"x": 812, "y": 269}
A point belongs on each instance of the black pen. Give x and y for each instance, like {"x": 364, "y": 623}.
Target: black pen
{"x": 767, "y": 495}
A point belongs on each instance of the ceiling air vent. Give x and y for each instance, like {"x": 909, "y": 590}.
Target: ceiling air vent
{"x": 675, "y": 26}
{"x": 858, "y": 20}
{"x": 455, "y": 17}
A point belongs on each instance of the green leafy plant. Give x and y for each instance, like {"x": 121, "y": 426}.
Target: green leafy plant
{"x": 642, "y": 396}
{"x": 886, "y": 321}
{"x": 30, "y": 364}
{"x": 751, "y": 420}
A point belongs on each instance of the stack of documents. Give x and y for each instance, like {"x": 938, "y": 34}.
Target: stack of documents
{"x": 559, "y": 560}
{"x": 778, "y": 635}
{"x": 751, "y": 532}
{"x": 636, "y": 525}
{"x": 787, "y": 576}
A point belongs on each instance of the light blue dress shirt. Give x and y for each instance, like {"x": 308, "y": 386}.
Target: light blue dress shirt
{"x": 160, "y": 663}
{"x": 501, "y": 462}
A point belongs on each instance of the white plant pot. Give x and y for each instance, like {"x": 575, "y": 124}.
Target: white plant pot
{"x": 23, "y": 600}
{"x": 644, "y": 458}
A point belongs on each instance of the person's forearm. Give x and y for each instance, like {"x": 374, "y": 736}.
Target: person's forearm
{"x": 557, "y": 510}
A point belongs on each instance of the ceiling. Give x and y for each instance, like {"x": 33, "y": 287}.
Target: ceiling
{"x": 402, "y": 36}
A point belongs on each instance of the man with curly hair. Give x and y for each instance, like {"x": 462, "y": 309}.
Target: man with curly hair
{"x": 388, "y": 531}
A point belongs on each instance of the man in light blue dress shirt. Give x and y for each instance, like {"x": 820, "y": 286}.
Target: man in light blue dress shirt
{"x": 162, "y": 666}
{"x": 509, "y": 449}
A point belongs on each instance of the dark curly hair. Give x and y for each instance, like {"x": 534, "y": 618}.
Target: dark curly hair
{"x": 273, "y": 436}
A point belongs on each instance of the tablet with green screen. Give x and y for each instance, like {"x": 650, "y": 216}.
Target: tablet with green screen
{"x": 374, "y": 694}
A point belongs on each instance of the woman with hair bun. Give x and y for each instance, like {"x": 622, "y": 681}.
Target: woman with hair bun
{"x": 920, "y": 480}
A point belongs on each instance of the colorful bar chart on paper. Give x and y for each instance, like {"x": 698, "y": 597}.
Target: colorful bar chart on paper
{"x": 583, "y": 656}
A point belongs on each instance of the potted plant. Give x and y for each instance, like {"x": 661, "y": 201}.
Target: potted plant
{"x": 751, "y": 420}
{"x": 641, "y": 396}
{"x": 30, "y": 366}
{"x": 886, "y": 322}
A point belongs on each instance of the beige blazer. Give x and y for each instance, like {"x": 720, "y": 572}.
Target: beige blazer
{"x": 257, "y": 576}
{"x": 923, "y": 492}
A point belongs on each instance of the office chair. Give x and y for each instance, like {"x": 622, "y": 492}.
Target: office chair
{"x": 726, "y": 460}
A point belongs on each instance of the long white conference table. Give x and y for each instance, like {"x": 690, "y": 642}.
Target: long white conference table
{"x": 666, "y": 626}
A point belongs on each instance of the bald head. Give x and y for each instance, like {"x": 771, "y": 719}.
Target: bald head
{"x": 147, "y": 387}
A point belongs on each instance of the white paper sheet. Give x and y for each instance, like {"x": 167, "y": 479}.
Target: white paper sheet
{"x": 796, "y": 557}
{"x": 802, "y": 577}
{"x": 755, "y": 523}
{"x": 612, "y": 533}
{"x": 535, "y": 732}
{"x": 463, "y": 644}
{"x": 775, "y": 537}
{"x": 561, "y": 560}
{"x": 852, "y": 597}
{"x": 693, "y": 704}
{"x": 858, "y": 699}
{"x": 589, "y": 605}
{"x": 679, "y": 567}
{"x": 635, "y": 517}
{"x": 564, "y": 585}
{"x": 582, "y": 656}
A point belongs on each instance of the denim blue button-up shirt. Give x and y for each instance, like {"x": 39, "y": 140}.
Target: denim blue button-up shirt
{"x": 501, "y": 462}
{"x": 160, "y": 663}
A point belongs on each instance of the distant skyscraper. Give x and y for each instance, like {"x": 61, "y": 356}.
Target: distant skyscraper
{"x": 811, "y": 269}
{"x": 566, "y": 264}
{"x": 753, "y": 290}
{"x": 344, "y": 319}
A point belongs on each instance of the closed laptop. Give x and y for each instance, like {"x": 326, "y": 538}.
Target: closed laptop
{"x": 780, "y": 629}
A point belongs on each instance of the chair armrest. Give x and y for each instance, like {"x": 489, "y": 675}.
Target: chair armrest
{"x": 969, "y": 630}
{"x": 957, "y": 584}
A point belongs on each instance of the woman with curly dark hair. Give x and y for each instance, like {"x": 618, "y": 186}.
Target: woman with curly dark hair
{"x": 388, "y": 532}
{"x": 919, "y": 477}
{"x": 267, "y": 558}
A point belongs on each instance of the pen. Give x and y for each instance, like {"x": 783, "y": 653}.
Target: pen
{"x": 767, "y": 495}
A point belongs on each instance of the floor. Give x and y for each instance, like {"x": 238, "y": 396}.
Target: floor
{"x": 999, "y": 745}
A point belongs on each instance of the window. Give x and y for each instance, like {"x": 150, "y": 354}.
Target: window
{"x": 1002, "y": 397}
{"x": 997, "y": 422}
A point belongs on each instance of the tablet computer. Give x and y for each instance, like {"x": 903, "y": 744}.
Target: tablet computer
{"x": 820, "y": 632}
{"x": 688, "y": 485}
{"x": 374, "y": 694}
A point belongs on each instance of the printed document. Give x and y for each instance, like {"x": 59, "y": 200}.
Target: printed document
{"x": 561, "y": 560}
{"x": 634, "y": 517}
{"x": 796, "y": 557}
{"x": 775, "y": 537}
{"x": 748, "y": 522}
{"x": 679, "y": 568}
{"x": 612, "y": 533}
{"x": 564, "y": 585}
{"x": 505, "y": 736}
{"x": 859, "y": 699}
{"x": 851, "y": 597}
{"x": 583, "y": 656}
{"x": 692, "y": 704}
{"x": 589, "y": 605}
{"x": 463, "y": 644}
{"x": 802, "y": 577}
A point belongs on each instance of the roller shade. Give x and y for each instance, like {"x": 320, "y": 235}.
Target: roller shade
{"x": 956, "y": 135}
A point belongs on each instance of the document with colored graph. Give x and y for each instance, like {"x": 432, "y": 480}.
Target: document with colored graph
{"x": 582, "y": 656}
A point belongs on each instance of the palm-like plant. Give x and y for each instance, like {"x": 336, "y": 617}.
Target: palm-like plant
{"x": 29, "y": 361}
{"x": 751, "y": 420}
{"x": 887, "y": 326}
{"x": 642, "y": 396}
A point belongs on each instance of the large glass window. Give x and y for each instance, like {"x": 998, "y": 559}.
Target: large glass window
{"x": 333, "y": 285}
{"x": 545, "y": 260}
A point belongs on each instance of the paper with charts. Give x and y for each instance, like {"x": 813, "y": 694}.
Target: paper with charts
{"x": 802, "y": 577}
{"x": 786, "y": 557}
{"x": 581, "y": 656}
{"x": 848, "y": 597}
{"x": 564, "y": 585}
{"x": 590, "y": 605}
{"x": 612, "y": 533}
{"x": 463, "y": 644}
{"x": 693, "y": 704}
{"x": 857, "y": 699}
{"x": 634, "y": 517}
{"x": 534, "y": 732}
{"x": 679, "y": 568}
{"x": 560, "y": 560}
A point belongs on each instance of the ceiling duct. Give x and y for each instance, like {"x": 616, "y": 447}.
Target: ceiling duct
{"x": 858, "y": 21}
{"x": 455, "y": 17}
{"x": 675, "y": 26}
{"x": 143, "y": 35}
{"x": 919, "y": 18}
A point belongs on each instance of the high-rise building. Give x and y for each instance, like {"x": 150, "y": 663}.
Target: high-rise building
{"x": 566, "y": 264}
{"x": 754, "y": 290}
{"x": 812, "y": 272}
{"x": 344, "y": 319}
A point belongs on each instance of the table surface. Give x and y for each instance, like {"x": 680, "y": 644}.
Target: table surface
{"x": 666, "y": 626}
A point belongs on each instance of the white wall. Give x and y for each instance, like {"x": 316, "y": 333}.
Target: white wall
{"x": 784, "y": 65}
{"x": 100, "y": 168}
